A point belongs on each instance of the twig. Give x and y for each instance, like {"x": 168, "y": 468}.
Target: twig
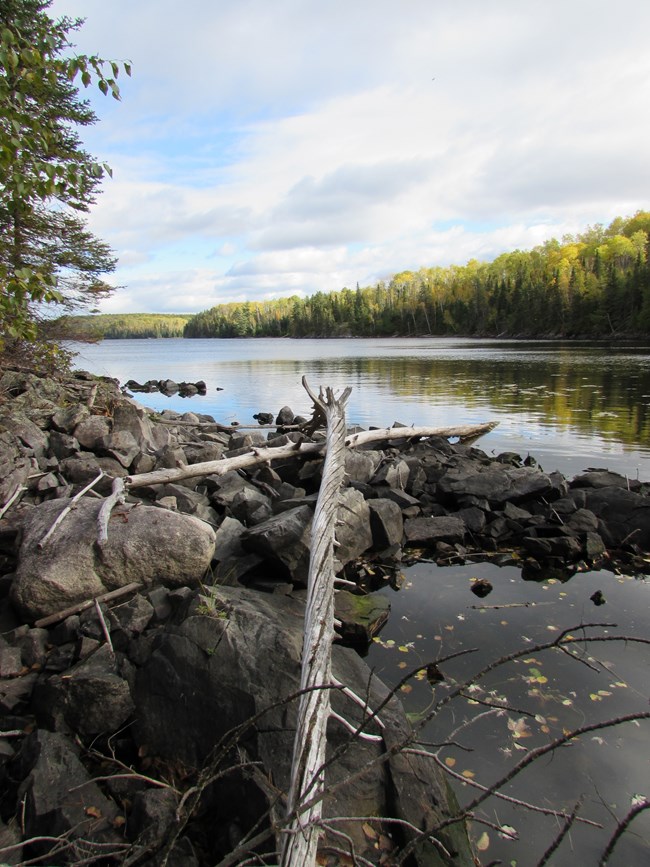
{"x": 116, "y": 498}
{"x": 16, "y": 494}
{"x": 564, "y": 830}
{"x": 105, "y": 630}
{"x": 621, "y": 829}
{"x": 70, "y": 505}
{"x": 88, "y": 603}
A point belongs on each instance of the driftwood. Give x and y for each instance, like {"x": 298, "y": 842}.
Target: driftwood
{"x": 267, "y": 454}
{"x": 307, "y": 775}
{"x": 69, "y": 508}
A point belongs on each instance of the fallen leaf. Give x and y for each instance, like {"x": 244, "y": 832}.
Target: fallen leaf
{"x": 369, "y": 831}
{"x": 483, "y": 843}
{"x": 450, "y": 761}
{"x": 95, "y": 812}
{"x": 469, "y": 774}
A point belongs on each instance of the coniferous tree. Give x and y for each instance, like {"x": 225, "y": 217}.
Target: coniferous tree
{"x": 47, "y": 180}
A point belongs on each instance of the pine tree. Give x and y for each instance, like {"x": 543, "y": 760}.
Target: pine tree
{"x": 47, "y": 180}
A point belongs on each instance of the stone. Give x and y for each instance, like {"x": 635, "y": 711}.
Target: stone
{"x": 353, "y": 534}
{"x": 122, "y": 445}
{"x": 285, "y": 416}
{"x": 362, "y": 617}
{"x": 361, "y": 465}
{"x": 497, "y": 484}
{"x": 393, "y": 473}
{"x": 97, "y": 699}
{"x": 428, "y": 531}
{"x": 208, "y": 674}
{"x": 386, "y": 523}
{"x": 285, "y": 540}
{"x": 625, "y": 514}
{"x": 51, "y": 771}
{"x": 66, "y": 419}
{"x": 63, "y": 445}
{"x": 147, "y": 545}
{"x": 92, "y": 432}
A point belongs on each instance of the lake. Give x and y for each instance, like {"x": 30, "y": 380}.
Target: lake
{"x": 571, "y": 406}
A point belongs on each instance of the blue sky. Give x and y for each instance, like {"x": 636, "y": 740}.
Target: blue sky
{"x": 263, "y": 149}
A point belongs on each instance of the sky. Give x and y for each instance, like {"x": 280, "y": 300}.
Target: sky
{"x": 268, "y": 148}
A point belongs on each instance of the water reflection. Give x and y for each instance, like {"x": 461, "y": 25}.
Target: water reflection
{"x": 574, "y": 404}
{"x": 435, "y": 614}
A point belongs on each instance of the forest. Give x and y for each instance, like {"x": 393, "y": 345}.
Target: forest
{"x": 124, "y": 325}
{"x": 592, "y": 285}
{"x": 595, "y": 284}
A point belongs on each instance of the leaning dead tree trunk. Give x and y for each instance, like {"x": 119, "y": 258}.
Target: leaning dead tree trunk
{"x": 301, "y": 841}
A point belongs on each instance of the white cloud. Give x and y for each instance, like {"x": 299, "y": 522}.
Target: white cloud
{"x": 264, "y": 148}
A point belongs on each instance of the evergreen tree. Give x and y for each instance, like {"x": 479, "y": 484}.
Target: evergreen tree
{"x": 47, "y": 180}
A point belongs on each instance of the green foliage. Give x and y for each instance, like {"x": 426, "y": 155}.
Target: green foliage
{"x": 47, "y": 180}
{"x": 123, "y": 325}
{"x": 592, "y": 285}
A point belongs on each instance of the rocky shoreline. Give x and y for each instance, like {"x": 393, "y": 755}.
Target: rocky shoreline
{"x": 115, "y": 718}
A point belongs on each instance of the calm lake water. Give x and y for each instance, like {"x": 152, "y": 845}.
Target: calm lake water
{"x": 570, "y": 405}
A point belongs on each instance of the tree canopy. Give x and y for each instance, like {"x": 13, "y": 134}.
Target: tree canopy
{"x": 594, "y": 284}
{"x": 47, "y": 180}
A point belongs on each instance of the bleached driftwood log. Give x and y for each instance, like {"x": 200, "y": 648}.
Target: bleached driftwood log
{"x": 266, "y": 454}
{"x": 307, "y": 781}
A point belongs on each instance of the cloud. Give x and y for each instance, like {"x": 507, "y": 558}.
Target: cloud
{"x": 264, "y": 149}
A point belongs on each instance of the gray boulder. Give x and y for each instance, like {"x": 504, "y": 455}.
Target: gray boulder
{"x": 497, "y": 484}
{"x": 211, "y": 672}
{"x": 58, "y": 796}
{"x": 145, "y": 545}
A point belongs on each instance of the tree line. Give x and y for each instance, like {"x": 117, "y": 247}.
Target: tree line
{"x": 593, "y": 284}
{"x": 124, "y": 325}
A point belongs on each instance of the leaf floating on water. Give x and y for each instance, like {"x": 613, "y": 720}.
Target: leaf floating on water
{"x": 469, "y": 775}
{"x": 483, "y": 843}
{"x": 369, "y": 831}
{"x": 637, "y": 800}
{"x": 406, "y": 688}
{"x": 519, "y": 728}
{"x": 450, "y": 761}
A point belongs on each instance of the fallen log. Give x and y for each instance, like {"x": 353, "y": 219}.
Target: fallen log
{"x": 267, "y": 454}
{"x": 307, "y": 776}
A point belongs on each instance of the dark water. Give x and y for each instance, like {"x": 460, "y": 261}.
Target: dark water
{"x": 571, "y": 406}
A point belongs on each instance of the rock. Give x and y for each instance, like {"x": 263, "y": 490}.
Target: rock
{"x": 362, "y": 617}
{"x": 386, "y": 523}
{"x": 394, "y": 473}
{"x": 428, "y": 531}
{"x": 361, "y": 465}
{"x": 497, "y": 484}
{"x": 353, "y": 534}
{"x": 63, "y": 445}
{"x": 60, "y": 798}
{"x": 92, "y": 432}
{"x": 146, "y": 546}
{"x": 263, "y": 417}
{"x": 97, "y": 699}
{"x": 604, "y": 479}
{"x": 66, "y": 419}
{"x": 122, "y": 446}
{"x": 625, "y": 514}
{"x": 285, "y": 540}
{"x": 231, "y": 562}
{"x": 285, "y": 417}
{"x": 208, "y": 674}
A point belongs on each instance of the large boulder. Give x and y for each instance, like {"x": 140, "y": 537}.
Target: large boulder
{"x": 496, "y": 483}
{"x": 59, "y": 798}
{"x": 213, "y": 670}
{"x": 145, "y": 544}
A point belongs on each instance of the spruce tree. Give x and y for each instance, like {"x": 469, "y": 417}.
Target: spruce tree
{"x": 47, "y": 180}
